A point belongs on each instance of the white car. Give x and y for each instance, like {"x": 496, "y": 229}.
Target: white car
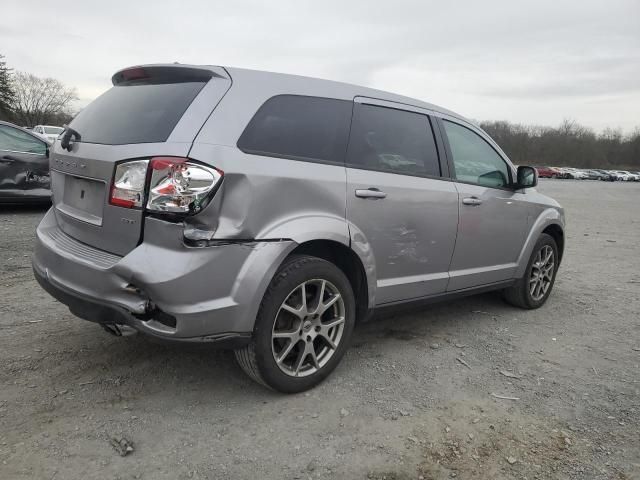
{"x": 573, "y": 173}
{"x": 628, "y": 176}
{"x": 48, "y": 132}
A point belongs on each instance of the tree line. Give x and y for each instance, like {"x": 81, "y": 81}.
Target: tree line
{"x": 568, "y": 145}
{"x": 28, "y": 100}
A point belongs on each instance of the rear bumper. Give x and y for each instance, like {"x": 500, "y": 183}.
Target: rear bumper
{"x": 161, "y": 288}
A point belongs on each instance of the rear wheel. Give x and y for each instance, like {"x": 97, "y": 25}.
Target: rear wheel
{"x": 532, "y": 290}
{"x": 303, "y": 327}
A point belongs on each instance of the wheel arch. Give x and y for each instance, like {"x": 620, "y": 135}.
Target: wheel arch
{"x": 348, "y": 261}
{"x": 557, "y": 233}
{"x": 551, "y": 221}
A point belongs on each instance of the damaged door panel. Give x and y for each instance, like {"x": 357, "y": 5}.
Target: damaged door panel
{"x": 24, "y": 166}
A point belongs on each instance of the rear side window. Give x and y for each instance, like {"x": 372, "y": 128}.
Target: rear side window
{"x": 299, "y": 127}
{"x": 391, "y": 140}
{"x": 135, "y": 113}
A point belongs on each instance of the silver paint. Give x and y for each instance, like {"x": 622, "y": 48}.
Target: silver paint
{"x": 418, "y": 240}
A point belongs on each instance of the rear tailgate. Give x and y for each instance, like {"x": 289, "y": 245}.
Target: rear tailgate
{"x": 150, "y": 111}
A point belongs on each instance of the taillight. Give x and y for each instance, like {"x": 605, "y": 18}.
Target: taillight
{"x": 176, "y": 185}
{"x": 128, "y": 185}
{"x": 180, "y": 186}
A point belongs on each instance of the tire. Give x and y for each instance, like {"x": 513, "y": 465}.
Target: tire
{"x": 283, "y": 314}
{"x": 520, "y": 294}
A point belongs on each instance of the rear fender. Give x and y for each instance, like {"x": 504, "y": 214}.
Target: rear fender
{"x": 324, "y": 227}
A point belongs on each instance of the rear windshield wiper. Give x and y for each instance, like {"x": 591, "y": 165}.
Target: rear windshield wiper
{"x": 68, "y": 137}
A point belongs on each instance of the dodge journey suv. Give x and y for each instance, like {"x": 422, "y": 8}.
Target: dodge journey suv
{"x": 269, "y": 213}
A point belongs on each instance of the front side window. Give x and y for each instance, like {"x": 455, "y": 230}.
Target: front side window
{"x": 299, "y": 127}
{"x": 474, "y": 160}
{"x": 391, "y": 140}
{"x": 14, "y": 140}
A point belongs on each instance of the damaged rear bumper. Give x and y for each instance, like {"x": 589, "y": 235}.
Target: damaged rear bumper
{"x": 162, "y": 287}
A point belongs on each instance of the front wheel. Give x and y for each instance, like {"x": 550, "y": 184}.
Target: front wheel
{"x": 303, "y": 327}
{"x": 532, "y": 290}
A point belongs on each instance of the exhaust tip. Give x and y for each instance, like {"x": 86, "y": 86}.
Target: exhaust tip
{"x": 119, "y": 330}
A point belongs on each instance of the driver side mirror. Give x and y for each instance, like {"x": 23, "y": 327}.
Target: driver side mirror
{"x": 527, "y": 177}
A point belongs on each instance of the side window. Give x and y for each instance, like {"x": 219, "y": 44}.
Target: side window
{"x": 299, "y": 127}
{"x": 474, "y": 160}
{"x": 14, "y": 140}
{"x": 392, "y": 140}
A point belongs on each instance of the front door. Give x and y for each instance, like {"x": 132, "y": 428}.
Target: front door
{"x": 493, "y": 217}
{"x": 399, "y": 208}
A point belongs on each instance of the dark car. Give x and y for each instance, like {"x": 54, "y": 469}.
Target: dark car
{"x": 24, "y": 166}
{"x": 602, "y": 175}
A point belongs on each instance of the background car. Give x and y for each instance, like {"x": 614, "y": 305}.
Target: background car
{"x": 631, "y": 177}
{"x": 573, "y": 174}
{"x": 594, "y": 175}
{"x": 49, "y": 132}
{"x": 604, "y": 175}
{"x": 547, "y": 172}
{"x": 24, "y": 166}
{"x": 620, "y": 175}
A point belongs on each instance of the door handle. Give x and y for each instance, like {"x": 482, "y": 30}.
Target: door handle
{"x": 370, "y": 193}
{"x": 473, "y": 201}
{"x": 7, "y": 159}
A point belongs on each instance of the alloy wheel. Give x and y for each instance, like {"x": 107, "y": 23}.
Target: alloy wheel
{"x": 541, "y": 273}
{"x": 308, "y": 328}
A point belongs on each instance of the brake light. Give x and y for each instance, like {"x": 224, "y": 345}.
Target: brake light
{"x": 178, "y": 185}
{"x": 127, "y": 189}
{"x": 134, "y": 74}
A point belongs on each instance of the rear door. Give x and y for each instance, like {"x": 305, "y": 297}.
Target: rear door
{"x": 400, "y": 206}
{"x": 24, "y": 163}
{"x": 493, "y": 217}
{"x": 150, "y": 111}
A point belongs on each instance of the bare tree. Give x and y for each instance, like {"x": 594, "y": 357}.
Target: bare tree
{"x": 40, "y": 100}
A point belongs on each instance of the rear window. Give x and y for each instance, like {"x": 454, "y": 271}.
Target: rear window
{"x": 135, "y": 113}
{"x": 299, "y": 127}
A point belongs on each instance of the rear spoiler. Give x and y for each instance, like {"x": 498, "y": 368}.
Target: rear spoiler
{"x": 174, "y": 73}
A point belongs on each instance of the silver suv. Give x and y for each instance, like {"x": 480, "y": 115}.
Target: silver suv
{"x": 269, "y": 213}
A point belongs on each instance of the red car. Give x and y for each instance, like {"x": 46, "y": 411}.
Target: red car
{"x": 547, "y": 172}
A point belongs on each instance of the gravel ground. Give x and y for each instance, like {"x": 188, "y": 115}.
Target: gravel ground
{"x": 415, "y": 397}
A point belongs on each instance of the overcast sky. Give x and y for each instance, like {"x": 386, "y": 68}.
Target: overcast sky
{"x": 488, "y": 60}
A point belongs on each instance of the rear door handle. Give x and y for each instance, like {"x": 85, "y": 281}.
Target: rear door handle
{"x": 7, "y": 159}
{"x": 370, "y": 193}
{"x": 474, "y": 201}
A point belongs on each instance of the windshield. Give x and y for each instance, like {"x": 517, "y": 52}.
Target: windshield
{"x": 53, "y": 130}
{"x": 135, "y": 113}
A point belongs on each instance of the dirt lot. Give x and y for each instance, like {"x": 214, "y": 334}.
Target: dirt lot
{"x": 413, "y": 398}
